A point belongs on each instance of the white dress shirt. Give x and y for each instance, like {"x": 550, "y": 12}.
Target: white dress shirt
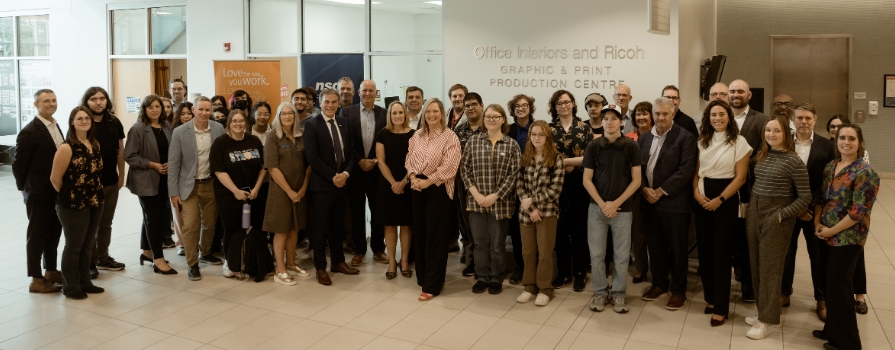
{"x": 54, "y": 131}
{"x": 803, "y": 148}
{"x": 203, "y": 144}
{"x": 741, "y": 118}
{"x": 654, "y": 150}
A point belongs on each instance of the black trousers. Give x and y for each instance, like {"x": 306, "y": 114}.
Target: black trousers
{"x": 572, "y": 253}
{"x": 234, "y": 235}
{"x": 713, "y": 233}
{"x": 44, "y": 231}
{"x": 514, "y": 232}
{"x": 818, "y": 263}
{"x": 841, "y": 327}
{"x": 460, "y": 219}
{"x": 666, "y": 237}
{"x": 327, "y": 213}
{"x": 741, "y": 254}
{"x": 157, "y": 218}
{"x": 638, "y": 236}
{"x": 80, "y": 232}
{"x": 432, "y": 213}
{"x": 362, "y": 188}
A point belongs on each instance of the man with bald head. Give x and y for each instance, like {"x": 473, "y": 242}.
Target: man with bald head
{"x": 623, "y": 99}
{"x": 751, "y": 125}
{"x": 364, "y": 120}
{"x": 718, "y": 92}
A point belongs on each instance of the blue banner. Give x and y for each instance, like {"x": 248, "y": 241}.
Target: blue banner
{"x": 324, "y": 70}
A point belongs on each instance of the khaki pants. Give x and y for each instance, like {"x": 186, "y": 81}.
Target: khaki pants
{"x": 538, "y": 237}
{"x": 198, "y": 207}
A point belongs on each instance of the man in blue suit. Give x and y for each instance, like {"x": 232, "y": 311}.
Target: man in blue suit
{"x": 364, "y": 120}
{"x": 669, "y": 154}
{"x": 328, "y": 148}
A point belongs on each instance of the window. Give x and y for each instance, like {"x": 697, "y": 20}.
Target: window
{"x": 24, "y": 68}
{"x": 129, "y": 32}
{"x": 149, "y": 31}
{"x": 333, "y": 26}
{"x": 273, "y": 26}
{"x": 168, "y": 30}
{"x": 393, "y": 74}
{"x": 400, "y": 25}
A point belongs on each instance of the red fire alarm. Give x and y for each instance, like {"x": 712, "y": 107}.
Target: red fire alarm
{"x": 226, "y": 47}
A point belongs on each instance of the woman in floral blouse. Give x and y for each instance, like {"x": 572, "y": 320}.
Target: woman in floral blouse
{"x": 842, "y": 219}
{"x": 77, "y": 167}
{"x": 572, "y": 136}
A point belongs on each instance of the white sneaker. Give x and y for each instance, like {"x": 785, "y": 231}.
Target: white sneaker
{"x": 542, "y": 299}
{"x": 227, "y": 272}
{"x": 524, "y": 297}
{"x": 598, "y": 303}
{"x": 759, "y": 331}
{"x": 298, "y": 271}
{"x": 750, "y": 320}
{"x": 619, "y": 305}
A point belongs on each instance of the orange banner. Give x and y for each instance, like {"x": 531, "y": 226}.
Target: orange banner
{"x": 260, "y": 78}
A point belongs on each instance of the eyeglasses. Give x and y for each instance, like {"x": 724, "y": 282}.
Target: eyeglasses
{"x": 287, "y": 113}
{"x": 472, "y": 105}
{"x": 238, "y": 121}
{"x": 493, "y": 117}
{"x": 675, "y": 98}
{"x": 621, "y": 96}
{"x": 564, "y": 103}
{"x": 522, "y": 106}
{"x": 785, "y": 104}
{"x": 718, "y": 94}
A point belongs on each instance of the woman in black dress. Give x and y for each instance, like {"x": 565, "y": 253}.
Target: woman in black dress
{"x": 393, "y": 202}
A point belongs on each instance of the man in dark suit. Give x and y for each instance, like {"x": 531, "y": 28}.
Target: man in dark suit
{"x": 364, "y": 120}
{"x": 670, "y": 155}
{"x": 751, "y": 124}
{"x": 35, "y": 148}
{"x": 683, "y": 120}
{"x": 328, "y": 145}
{"x": 816, "y": 152}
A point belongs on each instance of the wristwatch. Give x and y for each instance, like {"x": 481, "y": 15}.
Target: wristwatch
{"x": 721, "y": 197}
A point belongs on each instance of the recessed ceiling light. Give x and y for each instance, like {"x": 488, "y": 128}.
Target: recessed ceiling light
{"x": 434, "y": 2}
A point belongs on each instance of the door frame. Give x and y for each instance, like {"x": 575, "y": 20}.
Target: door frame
{"x": 816, "y": 36}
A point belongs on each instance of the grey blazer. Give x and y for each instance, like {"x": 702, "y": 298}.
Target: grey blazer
{"x": 141, "y": 148}
{"x": 183, "y": 158}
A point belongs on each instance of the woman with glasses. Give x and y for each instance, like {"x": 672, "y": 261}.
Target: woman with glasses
{"x": 236, "y": 159}
{"x": 284, "y": 157}
{"x": 522, "y": 109}
{"x": 860, "y": 280}
{"x": 572, "y": 136}
{"x": 146, "y": 151}
{"x": 842, "y": 221}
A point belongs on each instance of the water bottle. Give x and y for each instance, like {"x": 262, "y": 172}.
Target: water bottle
{"x": 246, "y": 215}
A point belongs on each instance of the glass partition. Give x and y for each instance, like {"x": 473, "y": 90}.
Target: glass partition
{"x": 393, "y": 74}
{"x": 34, "y": 35}
{"x": 405, "y": 25}
{"x": 273, "y": 26}
{"x": 6, "y": 36}
{"x": 168, "y": 30}
{"x": 333, "y": 26}
{"x": 129, "y": 32}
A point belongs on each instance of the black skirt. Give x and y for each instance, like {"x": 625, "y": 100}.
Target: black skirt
{"x": 392, "y": 209}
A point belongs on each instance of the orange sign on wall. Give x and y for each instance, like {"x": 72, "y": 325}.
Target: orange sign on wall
{"x": 260, "y": 78}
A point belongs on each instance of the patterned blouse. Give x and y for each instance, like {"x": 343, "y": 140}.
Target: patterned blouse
{"x": 435, "y": 155}
{"x": 572, "y": 143}
{"x": 491, "y": 168}
{"x": 81, "y": 185}
{"x": 850, "y": 192}
{"x": 543, "y": 185}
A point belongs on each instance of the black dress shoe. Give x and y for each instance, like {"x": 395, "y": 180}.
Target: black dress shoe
{"x": 94, "y": 273}
{"x": 167, "y": 242}
{"x": 640, "y": 279}
{"x": 469, "y": 270}
{"x": 92, "y": 289}
{"x": 828, "y": 346}
{"x": 193, "y": 273}
{"x": 748, "y": 295}
{"x": 147, "y": 259}
{"x": 561, "y": 281}
{"x": 480, "y": 287}
{"x": 170, "y": 271}
{"x": 578, "y": 285}
{"x": 517, "y": 276}
{"x": 495, "y": 288}
{"x": 77, "y": 296}
{"x": 819, "y": 334}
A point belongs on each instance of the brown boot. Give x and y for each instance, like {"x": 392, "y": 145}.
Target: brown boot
{"x": 54, "y": 277}
{"x": 822, "y": 310}
{"x": 40, "y": 285}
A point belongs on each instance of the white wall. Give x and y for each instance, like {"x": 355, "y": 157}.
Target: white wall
{"x": 332, "y": 28}
{"x": 207, "y": 31}
{"x": 538, "y": 24}
{"x": 274, "y": 26}
{"x": 697, "y": 42}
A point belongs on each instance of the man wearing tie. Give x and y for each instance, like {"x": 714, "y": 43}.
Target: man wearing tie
{"x": 364, "y": 120}
{"x": 35, "y": 148}
{"x": 328, "y": 145}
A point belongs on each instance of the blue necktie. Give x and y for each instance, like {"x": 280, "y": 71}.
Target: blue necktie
{"x": 337, "y": 144}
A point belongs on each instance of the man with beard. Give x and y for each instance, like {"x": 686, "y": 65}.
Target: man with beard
{"x": 413, "y": 96}
{"x": 110, "y": 135}
{"x": 751, "y": 125}
{"x": 178, "y": 92}
{"x": 346, "y": 92}
{"x": 300, "y": 101}
{"x": 783, "y": 107}
{"x": 718, "y": 92}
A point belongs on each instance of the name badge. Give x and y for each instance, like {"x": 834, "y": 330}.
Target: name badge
{"x": 502, "y": 154}
{"x": 285, "y": 145}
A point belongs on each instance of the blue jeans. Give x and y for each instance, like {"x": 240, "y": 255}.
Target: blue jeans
{"x": 490, "y": 237}
{"x": 597, "y": 231}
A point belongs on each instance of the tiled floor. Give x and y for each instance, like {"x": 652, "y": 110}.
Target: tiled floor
{"x": 141, "y": 309}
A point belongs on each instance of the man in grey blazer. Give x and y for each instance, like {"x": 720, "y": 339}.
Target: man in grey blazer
{"x": 751, "y": 124}
{"x": 190, "y": 184}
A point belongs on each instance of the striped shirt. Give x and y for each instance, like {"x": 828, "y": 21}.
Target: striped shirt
{"x": 779, "y": 175}
{"x": 435, "y": 155}
{"x": 543, "y": 185}
{"x": 491, "y": 168}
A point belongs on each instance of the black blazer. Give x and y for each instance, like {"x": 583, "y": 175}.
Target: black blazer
{"x": 352, "y": 113}
{"x": 822, "y": 152}
{"x": 683, "y": 120}
{"x": 674, "y": 169}
{"x": 33, "y": 161}
{"x": 752, "y": 128}
{"x": 321, "y": 155}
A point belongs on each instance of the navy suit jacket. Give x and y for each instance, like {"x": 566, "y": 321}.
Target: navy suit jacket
{"x": 35, "y": 150}
{"x": 321, "y": 154}
{"x": 352, "y": 113}
{"x": 674, "y": 169}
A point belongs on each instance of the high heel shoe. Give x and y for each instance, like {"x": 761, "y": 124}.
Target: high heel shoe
{"x": 170, "y": 271}
{"x": 148, "y": 259}
{"x": 405, "y": 273}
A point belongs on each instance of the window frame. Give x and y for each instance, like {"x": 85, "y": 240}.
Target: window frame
{"x": 16, "y": 58}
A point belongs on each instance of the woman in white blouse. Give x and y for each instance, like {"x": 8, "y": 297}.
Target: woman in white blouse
{"x": 721, "y": 170}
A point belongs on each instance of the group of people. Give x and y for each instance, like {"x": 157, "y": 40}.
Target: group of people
{"x": 623, "y": 182}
